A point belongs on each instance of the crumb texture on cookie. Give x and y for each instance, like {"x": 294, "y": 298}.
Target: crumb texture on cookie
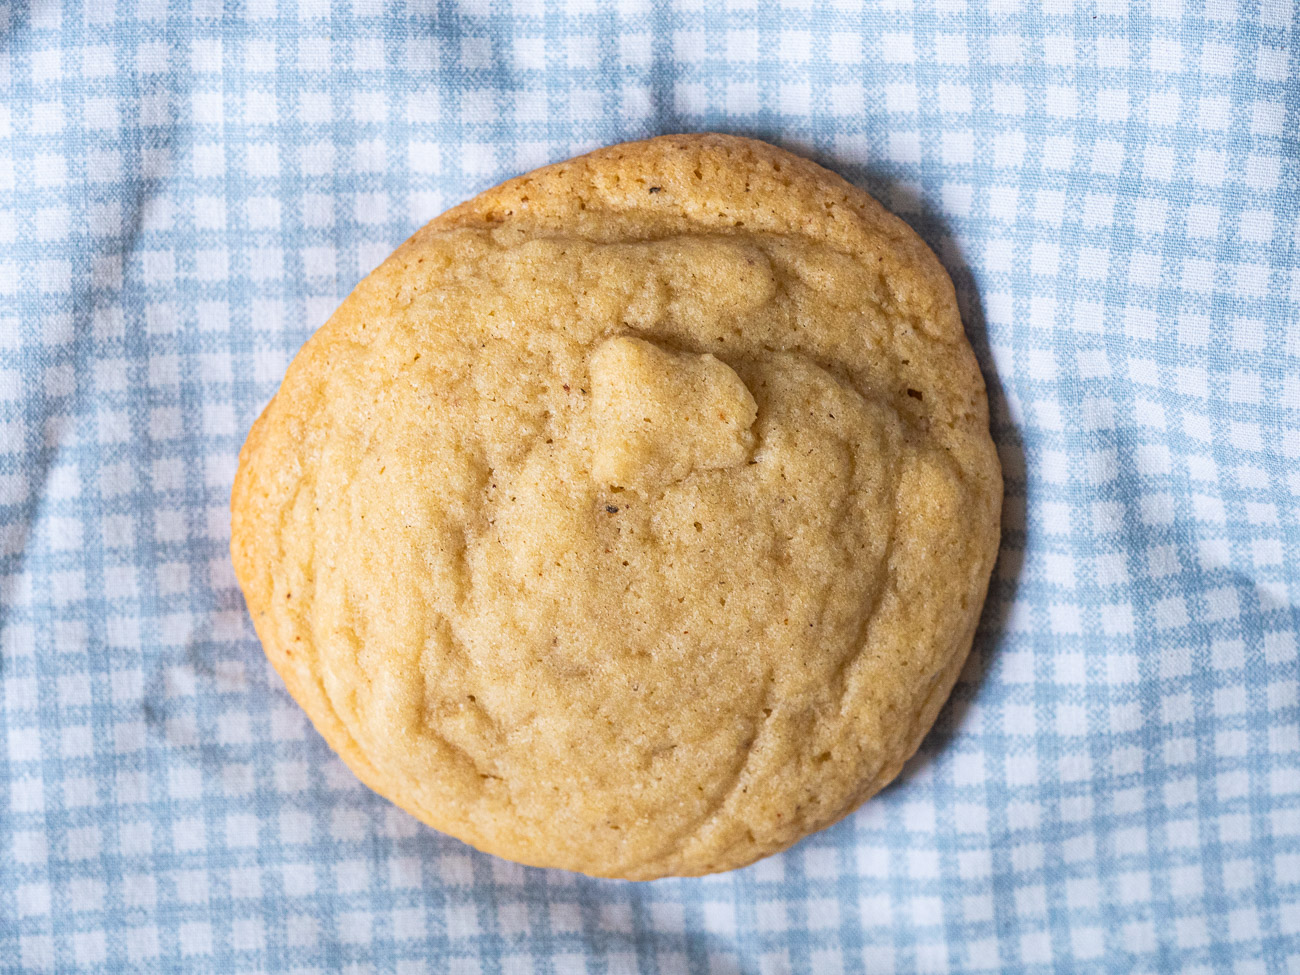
{"x": 626, "y": 531}
{"x": 658, "y": 415}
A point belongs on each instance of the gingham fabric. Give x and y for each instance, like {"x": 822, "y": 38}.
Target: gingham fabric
{"x": 187, "y": 189}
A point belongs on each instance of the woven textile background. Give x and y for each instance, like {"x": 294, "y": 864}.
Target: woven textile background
{"x": 187, "y": 189}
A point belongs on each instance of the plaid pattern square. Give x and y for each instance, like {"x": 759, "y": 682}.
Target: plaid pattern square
{"x": 187, "y": 189}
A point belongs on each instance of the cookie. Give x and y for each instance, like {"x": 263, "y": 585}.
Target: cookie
{"x": 633, "y": 517}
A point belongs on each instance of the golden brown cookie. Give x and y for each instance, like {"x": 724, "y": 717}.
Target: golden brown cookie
{"x": 633, "y": 517}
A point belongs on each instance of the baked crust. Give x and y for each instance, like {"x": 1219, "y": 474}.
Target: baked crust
{"x": 475, "y": 589}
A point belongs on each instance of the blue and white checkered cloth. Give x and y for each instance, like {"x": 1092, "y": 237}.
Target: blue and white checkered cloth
{"x": 188, "y": 187}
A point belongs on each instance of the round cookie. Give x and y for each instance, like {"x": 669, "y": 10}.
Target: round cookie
{"x": 633, "y": 517}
